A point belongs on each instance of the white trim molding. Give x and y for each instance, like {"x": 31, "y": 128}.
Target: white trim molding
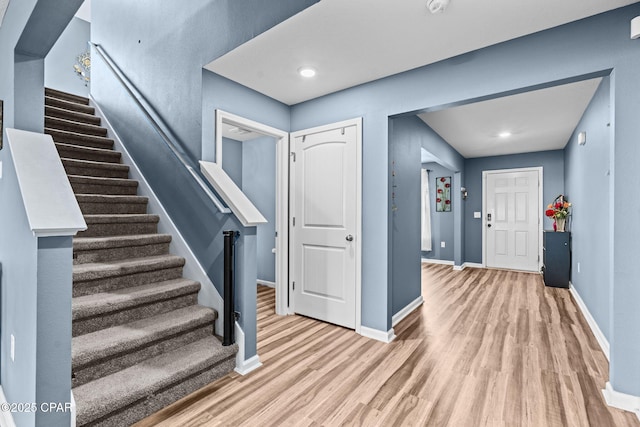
{"x": 597, "y": 332}
{"x": 374, "y": 334}
{"x": 266, "y": 283}
{"x": 397, "y": 318}
{"x": 6, "y": 419}
{"x": 627, "y": 402}
{"x": 437, "y": 261}
{"x": 244, "y": 366}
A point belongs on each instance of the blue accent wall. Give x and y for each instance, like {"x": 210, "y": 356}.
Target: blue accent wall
{"x": 442, "y": 224}
{"x": 259, "y": 184}
{"x": 58, "y": 64}
{"x": 588, "y": 187}
{"x": 232, "y": 159}
{"x": 552, "y": 163}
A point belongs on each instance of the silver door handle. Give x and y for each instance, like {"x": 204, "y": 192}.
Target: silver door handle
{"x": 349, "y": 238}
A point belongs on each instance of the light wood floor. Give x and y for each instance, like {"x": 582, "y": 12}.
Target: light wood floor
{"x": 487, "y": 348}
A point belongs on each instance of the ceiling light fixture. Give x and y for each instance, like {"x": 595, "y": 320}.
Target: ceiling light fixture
{"x": 437, "y": 6}
{"x": 307, "y": 72}
{"x": 505, "y": 134}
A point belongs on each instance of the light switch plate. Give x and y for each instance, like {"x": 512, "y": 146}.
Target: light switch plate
{"x": 477, "y": 214}
{"x": 0, "y": 170}
{"x": 442, "y": 244}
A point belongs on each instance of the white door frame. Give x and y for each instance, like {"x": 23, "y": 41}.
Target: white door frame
{"x": 282, "y": 195}
{"x": 538, "y": 169}
{"x": 358, "y": 237}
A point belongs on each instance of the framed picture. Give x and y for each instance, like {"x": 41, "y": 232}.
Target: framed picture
{"x": 443, "y": 194}
{"x": 1, "y": 128}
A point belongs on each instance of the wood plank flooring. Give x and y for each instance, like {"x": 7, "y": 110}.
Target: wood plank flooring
{"x": 487, "y": 348}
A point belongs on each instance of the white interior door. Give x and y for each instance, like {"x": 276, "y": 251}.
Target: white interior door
{"x": 512, "y": 219}
{"x": 324, "y": 228}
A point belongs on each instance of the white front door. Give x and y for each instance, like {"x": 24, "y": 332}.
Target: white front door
{"x": 324, "y": 226}
{"x": 512, "y": 219}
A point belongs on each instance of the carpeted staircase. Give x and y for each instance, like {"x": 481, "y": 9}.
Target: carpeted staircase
{"x": 140, "y": 339}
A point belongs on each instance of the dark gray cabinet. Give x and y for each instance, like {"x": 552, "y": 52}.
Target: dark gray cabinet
{"x": 557, "y": 259}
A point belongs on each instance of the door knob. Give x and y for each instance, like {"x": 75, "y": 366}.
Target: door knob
{"x": 349, "y": 238}
{"x": 489, "y": 225}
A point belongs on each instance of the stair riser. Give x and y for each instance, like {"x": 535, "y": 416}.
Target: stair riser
{"x": 90, "y": 208}
{"x": 97, "y": 172}
{"x": 74, "y": 116}
{"x": 82, "y": 375}
{"x": 115, "y": 254}
{"x": 144, "y": 408}
{"x": 81, "y": 140}
{"x": 112, "y": 190}
{"x": 70, "y": 153}
{"x": 119, "y": 229}
{"x": 81, "y": 288}
{"x": 77, "y": 99}
{"x": 85, "y": 326}
{"x": 53, "y": 123}
{"x": 81, "y": 108}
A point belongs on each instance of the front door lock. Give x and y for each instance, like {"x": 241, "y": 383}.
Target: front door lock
{"x": 349, "y": 238}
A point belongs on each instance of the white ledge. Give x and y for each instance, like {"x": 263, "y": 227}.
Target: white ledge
{"x": 51, "y": 206}
{"x": 233, "y": 196}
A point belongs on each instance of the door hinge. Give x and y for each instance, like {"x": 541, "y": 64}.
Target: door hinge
{"x": 342, "y": 131}
{"x": 276, "y": 234}
{"x": 294, "y": 285}
{"x": 304, "y": 137}
{"x": 294, "y": 221}
{"x": 293, "y": 156}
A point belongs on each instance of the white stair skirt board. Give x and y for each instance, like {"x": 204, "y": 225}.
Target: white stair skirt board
{"x": 6, "y": 420}
{"x": 436, "y": 261}
{"x": 602, "y": 340}
{"x": 627, "y": 402}
{"x": 266, "y": 283}
{"x": 244, "y": 366}
{"x": 208, "y": 295}
{"x": 406, "y": 311}
{"x": 385, "y": 337}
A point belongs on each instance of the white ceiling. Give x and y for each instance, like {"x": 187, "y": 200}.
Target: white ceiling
{"x": 538, "y": 121}
{"x": 84, "y": 12}
{"x": 3, "y": 8}
{"x": 351, "y": 42}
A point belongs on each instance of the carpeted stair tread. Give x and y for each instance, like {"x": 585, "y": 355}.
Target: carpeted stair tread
{"x": 112, "y": 204}
{"x": 101, "y": 270}
{"x": 121, "y": 219}
{"x": 99, "y": 180}
{"x": 95, "y": 169}
{"x": 63, "y": 124}
{"x": 91, "y": 348}
{"x": 87, "y": 153}
{"x": 77, "y": 99}
{"x": 79, "y": 139}
{"x": 74, "y": 116}
{"x": 109, "y": 242}
{"x": 99, "y": 398}
{"x": 107, "y": 302}
{"x": 68, "y": 105}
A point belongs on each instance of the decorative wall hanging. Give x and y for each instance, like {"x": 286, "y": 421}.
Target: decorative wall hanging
{"x": 83, "y": 67}
{"x": 443, "y": 194}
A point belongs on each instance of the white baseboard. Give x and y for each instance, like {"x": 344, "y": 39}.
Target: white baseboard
{"x": 602, "y": 340}
{"x": 6, "y": 420}
{"x": 627, "y": 402}
{"x": 406, "y": 310}
{"x": 385, "y": 337}
{"x": 472, "y": 265}
{"x": 244, "y": 366}
{"x": 266, "y": 283}
{"x": 208, "y": 295}
{"x": 437, "y": 261}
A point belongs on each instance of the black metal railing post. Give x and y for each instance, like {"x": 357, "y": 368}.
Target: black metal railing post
{"x": 229, "y": 318}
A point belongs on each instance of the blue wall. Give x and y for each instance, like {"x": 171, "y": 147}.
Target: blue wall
{"x": 232, "y": 155}
{"x": 587, "y": 186}
{"x": 259, "y": 184}
{"x": 442, "y": 224}
{"x": 552, "y": 163}
{"x": 58, "y": 64}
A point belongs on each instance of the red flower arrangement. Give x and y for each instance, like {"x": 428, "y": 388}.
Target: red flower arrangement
{"x": 559, "y": 209}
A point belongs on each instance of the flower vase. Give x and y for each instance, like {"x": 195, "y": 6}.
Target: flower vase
{"x": 560, "y": 223}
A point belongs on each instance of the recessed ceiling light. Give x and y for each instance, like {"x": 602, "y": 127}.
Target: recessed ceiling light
{"x": 307, "y": 72}
{"x": 505, "y": 134}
